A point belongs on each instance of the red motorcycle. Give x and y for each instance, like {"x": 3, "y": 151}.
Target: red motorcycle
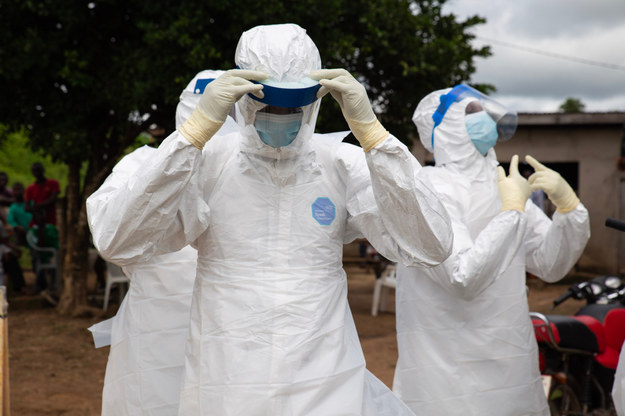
{"x": 578, "y": 354}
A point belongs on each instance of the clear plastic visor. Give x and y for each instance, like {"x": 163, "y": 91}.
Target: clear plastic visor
{"x": 505, "y": 118}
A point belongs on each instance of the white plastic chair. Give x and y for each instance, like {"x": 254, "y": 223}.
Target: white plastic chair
{"x": 44, "y": 258}
{"x": 114, "y": 275}
{"x": 382, "y": 286}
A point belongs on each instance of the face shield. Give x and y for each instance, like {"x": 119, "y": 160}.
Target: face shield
{"x": 279, "y": 122}
{"x": 505, "y": 120}
{"x": 278, "y": 126}
{"x": 289, "y": 107}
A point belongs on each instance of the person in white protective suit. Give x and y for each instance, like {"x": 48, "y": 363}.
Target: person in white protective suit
{"x": 149, "y": 331}
{"x": 466, "y": 342}
{"x": 160, "y": 291}
{"x": 268, "y": 209}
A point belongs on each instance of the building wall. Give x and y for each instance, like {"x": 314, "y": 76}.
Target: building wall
{"x": 595, "y": 146}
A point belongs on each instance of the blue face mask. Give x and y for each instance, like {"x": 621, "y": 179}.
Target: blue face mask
{"x": 482, "y": 131}
{"x": 277, "y": 130}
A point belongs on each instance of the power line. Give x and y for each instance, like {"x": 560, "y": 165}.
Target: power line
{"x": 553, "y": 55}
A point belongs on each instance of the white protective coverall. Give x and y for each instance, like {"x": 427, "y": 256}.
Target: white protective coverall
{"x": 149, "y": 331}
{"x": 271, "y": 331}
{"x": 466, "y": 342}
{"x": 160, "y": 291}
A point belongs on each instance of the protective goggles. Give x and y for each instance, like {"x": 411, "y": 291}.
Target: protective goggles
{"x": 505, "y": 118}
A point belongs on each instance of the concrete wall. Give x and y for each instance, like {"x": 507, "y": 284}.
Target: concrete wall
{"x": 594, "y": 142}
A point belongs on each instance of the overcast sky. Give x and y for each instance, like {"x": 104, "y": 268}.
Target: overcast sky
{"x": 522, "y": 33}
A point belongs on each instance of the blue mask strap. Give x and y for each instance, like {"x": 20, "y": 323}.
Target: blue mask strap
{"x": 446, "y": 101}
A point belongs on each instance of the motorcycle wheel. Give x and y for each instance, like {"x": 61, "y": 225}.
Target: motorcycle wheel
{"x": 563, "y": 401}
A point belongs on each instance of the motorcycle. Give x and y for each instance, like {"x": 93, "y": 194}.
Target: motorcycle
{"x": 578, "y": 354}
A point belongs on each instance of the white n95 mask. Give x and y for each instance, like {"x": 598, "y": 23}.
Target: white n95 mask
{"x": 277, "y": 130}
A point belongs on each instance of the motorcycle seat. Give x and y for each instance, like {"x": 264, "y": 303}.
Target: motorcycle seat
{"x": 572, "y": 332}
{"x": 615, "y": 335}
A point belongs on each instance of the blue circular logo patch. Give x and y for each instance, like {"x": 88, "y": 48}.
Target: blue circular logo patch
{"x": 324, "y": 211}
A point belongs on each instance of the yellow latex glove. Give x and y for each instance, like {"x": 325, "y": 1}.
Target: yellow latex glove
{"x": 514, "y": 190}
{"x": 355, "y": 105}
{"x": 554, "y": 185}
{"x": 218, "y": 98}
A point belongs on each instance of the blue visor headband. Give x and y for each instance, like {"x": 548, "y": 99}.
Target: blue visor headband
{"x": 289, "y": 97}
{"x": 277, "y": 96}
{"x": 201, "y": 84}
{"x": 446, "y": 101}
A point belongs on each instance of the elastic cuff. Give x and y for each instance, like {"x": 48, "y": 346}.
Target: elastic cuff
{"x": 198, "y": 129}
{"x": 513, "y": 204}
{"x": 369, "y": 134}
{"x": 569, "y": 206}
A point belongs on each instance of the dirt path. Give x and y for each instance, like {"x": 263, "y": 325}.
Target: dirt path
{"x": 55, "y": 370}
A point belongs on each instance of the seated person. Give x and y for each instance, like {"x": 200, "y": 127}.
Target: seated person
{"x": 10, "y": 253}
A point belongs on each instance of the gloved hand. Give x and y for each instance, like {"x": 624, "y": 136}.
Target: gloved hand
{"x": 355, "y": 105}
{"x": 554, "y": 185}
{"x": 215, "y": 104}
{"x": 514, "y": 190}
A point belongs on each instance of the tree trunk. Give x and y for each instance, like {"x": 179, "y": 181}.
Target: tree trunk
{"x": 76, "y": 242}
{"x": 74, "y": 266}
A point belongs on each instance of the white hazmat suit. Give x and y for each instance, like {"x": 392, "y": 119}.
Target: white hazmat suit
{"x": 149, "y": 331}
{"x": 271, "y": 332}
{"x": 466, "y": 342}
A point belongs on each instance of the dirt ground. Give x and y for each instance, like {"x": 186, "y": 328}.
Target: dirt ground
{"x": 55, "y": 370}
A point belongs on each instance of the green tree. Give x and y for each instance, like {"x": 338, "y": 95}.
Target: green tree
{"x": 572, "y": 105}
{"x": 86, "y": 78}
{"x": 16, "y": 158}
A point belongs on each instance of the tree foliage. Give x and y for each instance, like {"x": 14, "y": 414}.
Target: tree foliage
{"x": 16, "y": 159}
{"x": 572, "y": 105}
{"x": 85, "y": 78}
{"x": 76, "y": 70}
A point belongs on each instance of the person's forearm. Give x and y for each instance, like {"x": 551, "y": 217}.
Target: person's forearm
{"x": 411, "y": 212}
{"x": 561, "y": 246}
{"x": 129, "y": 222}
{"x": 475, "y": 265}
